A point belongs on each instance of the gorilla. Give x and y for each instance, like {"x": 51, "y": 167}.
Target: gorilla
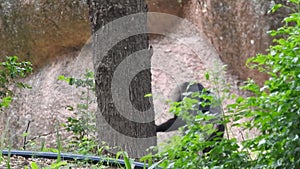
{"x": 185, "y": 90}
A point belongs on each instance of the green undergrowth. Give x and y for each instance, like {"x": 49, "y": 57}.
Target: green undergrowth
{"x": 273, "y": 110}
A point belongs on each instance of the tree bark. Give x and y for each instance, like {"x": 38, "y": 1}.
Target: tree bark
{"x": 125, "y": 118}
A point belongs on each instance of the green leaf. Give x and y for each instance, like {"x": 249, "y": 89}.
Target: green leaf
{"x": 275, "y": 8}
{"x": 71, "y": 81}
{"x": 128, "y": 162}
{"x": 148, "y": 95}
{"x": 70, "y": 108}
{"x": 34, "y": 165}
{"x": 57, "y": 165}
{"x": 6, "y": 101}
{"x": 206, "y": 75}
{"x": 25, "y": 134}
{"x": 61, "y": 77}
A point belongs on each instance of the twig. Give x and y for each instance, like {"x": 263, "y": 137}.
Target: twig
{"x": 25, "y": 137}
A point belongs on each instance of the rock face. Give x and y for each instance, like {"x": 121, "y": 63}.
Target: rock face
{"x": 237, "y": 29}
{"x": 173, "y": 7}
{"x": 45, "y": 105}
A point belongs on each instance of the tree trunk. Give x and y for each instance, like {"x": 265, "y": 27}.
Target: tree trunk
{"x": 125, "y": 118}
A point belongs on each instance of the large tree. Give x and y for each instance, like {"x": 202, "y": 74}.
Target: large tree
{"x": 122, "y": 59}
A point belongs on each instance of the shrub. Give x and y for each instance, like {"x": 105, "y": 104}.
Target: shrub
{"x": 10, "y": 71}
{"x": 83, "y": 124}
{"x": 273, "y": 109}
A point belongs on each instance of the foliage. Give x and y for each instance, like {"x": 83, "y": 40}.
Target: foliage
{"x": 128, "y": 162}
{"x": 82, "y": 125}
{"x": 273, "y": 109}
{"x": 10, "y": 71}
{"x": 185, "y": 151}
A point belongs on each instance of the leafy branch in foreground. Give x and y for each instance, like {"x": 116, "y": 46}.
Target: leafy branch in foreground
{"x": 10, "y": 71}
{"x": 275, "y": 107}
{"x": 274, "y": 110}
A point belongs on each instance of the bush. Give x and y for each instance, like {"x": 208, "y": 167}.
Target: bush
{"x": 10, "y": 70}
{"x": 273, "y": 109}
{"x": 83, "y": 124}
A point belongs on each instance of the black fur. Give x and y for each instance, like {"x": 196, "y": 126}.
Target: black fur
{"x": 174, "y": 123}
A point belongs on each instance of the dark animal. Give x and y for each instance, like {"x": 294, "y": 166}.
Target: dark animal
{"x": 186, "y": 90}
